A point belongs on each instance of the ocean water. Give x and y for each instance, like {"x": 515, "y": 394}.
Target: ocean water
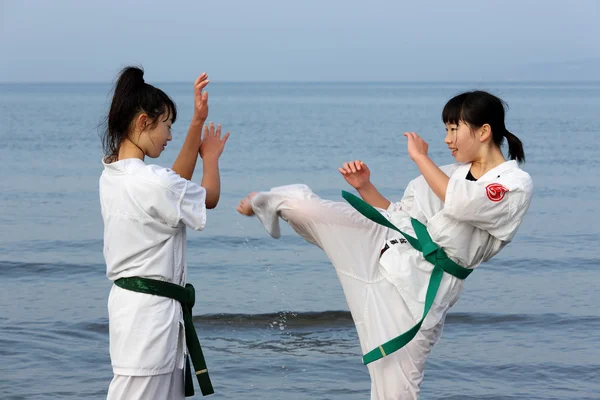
{"x": 271, "y": 315}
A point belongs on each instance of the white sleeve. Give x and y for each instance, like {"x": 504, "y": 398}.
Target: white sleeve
{"x": 183, "y": 201}
{"x": 192, "y": 205}
{"x": 407, "y": 201}
{"x": 171, "y": 199}
{"x": 497, "y": 207}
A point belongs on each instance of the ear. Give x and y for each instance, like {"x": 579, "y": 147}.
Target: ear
{"x": 485, "y": 133}
{"x": 141, "y": 122}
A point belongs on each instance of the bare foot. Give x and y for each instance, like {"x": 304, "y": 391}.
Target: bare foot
{"x": 245, "y": 206}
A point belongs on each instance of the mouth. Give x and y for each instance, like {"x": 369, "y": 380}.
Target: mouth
{"x": 453, "y": 151}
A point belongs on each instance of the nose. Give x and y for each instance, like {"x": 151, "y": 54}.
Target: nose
{"x": 170, "y": 137}
{"x": 448, "y": 139}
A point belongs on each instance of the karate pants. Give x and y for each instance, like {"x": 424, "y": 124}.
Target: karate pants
{"x": 155, "y": 387}
{"x": 168, "y": 386}
{"x": 353, "y": 245}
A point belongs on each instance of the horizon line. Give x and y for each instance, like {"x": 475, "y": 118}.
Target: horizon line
{"x": 309, "y": 82}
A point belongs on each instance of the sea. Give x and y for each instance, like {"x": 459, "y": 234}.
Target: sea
{"x": 270, "y": 314}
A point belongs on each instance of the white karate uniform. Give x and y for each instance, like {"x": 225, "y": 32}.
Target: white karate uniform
{"x": 386, "y": 294}
{"x": 146, "y": 209}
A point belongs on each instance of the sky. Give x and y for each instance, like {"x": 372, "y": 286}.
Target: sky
{"x": 308, "y": 40}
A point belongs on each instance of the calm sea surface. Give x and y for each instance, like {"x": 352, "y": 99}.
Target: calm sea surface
{"x": 270, "y": 313}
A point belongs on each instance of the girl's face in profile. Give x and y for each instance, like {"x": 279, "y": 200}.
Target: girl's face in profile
{"x": 462, "y": 141}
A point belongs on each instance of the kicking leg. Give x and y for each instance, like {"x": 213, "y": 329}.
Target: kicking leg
{"x": 351, "y": 241}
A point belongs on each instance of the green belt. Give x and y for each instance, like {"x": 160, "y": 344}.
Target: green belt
{"x": 432, "y": 253}
{"x": 187, "y": 297}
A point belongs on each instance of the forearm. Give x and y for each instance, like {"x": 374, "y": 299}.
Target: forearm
{"x": 211, "y": 181}
{"x": 435, "y": 177}
{"x": 186, "y": 160}
{"x": 371, "y": 195}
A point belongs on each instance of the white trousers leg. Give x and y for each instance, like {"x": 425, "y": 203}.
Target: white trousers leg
{"x": 155, "y": 387}
{"x": 353, "y": 245}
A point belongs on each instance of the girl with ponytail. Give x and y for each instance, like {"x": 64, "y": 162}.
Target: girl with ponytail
{"x": 146, "y": 209}
{"x": 402, "y": 265}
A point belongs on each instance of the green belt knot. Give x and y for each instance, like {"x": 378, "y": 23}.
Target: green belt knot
{"x": 191, "y": 296}
{"x": 431, "y": 252}
{"x": 430, "y": 248}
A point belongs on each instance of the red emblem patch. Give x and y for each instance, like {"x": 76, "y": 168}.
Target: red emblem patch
{"x": 495, "y": 192}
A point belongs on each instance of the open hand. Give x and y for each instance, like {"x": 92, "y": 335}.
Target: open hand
{"x": 201, "y": 98}
{"x": 417, "y": 147}
{"x": 356, "y": 173}
{"x": 212, "y": 143}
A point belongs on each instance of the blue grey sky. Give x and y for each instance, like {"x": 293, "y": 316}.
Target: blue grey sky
{"x": 308, "y": 40}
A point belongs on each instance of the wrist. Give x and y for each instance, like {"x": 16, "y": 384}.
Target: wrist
{"x": 367, "y": 187}
{"x": 420, "y": 158}
{"x": 198, "y": 120}
{"x": 210, "y": 160}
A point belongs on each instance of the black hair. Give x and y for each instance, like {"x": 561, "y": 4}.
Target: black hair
{"x": 478, "y": 108}
{"x": 133, "y": 96}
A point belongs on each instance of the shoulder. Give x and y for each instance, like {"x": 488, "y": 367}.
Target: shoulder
{"x": 513, "y": 182}
{"x": 514, "y": 179}
{"x": 521, "y": 177}
{"x": 162, "y": 177}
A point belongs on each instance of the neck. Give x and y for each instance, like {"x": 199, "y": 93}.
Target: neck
{"x": 490, "y": 159}
{"x": 128, "y": 149}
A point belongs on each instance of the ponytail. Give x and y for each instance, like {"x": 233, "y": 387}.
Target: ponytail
{"x": 515, "y": 147}
{"x": 131, "y": 97}
{"x": 131, "y": 80}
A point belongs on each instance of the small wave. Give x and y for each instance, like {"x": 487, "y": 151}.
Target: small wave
{"x": 54, "y": 245}
{"x": 318, "y": 320}
{"x": 23, "y": 269}
{"x": 525, "y": 264}
{"x": 293, "y": 320}
{"x": 298, "y": 320}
